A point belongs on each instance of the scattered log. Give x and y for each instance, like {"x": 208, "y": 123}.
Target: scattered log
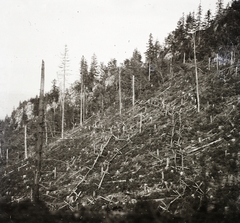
{"x": 23, "y": 166}
{"x": 117, "y": 181}
{"x": 106, "y": 199}
{"x": 104, "y": 173}
{"x": 55, "y": 173}
{"x": 204, "y": 146}
{"x": 156, "y": 157}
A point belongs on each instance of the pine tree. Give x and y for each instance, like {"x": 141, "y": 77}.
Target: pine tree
{"x": 54, "y": 92}
{"x": 199, "y": 23}
{"x": 180, "y": 37}
{"x": 219, "y": 8}
{"x": 157, "y": 50}
{"x": 113, "y": 73}
{"x": 199, "y": 17}
{"x": 190, "y": 24}
{"x": 24, "y": 122}
{"x": 150, "y": 55}
{"x": 52, "y": 99}
{"x": 84, "y": 71}
{"x": 150, "y": 50}
{"x": 190, "y": 27}
{"x": 84, "y": 81}
{"x": 136, "y": 63}
{"x": 207, "y": 19}
{"x": 93, "y": 72}
{"x": 136, "y": 66}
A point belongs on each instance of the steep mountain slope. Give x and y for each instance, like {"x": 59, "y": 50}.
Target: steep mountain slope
{"x": 161, "y": 150}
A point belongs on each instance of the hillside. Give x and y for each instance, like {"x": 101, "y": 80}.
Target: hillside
{"x": 161, "y": 151}
{"x": 174, "y": 156}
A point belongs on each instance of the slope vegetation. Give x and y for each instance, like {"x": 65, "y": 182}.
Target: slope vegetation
{"x": 161, "y": 150}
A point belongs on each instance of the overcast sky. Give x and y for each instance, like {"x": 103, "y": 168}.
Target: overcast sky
{"x": 32, "y": 30}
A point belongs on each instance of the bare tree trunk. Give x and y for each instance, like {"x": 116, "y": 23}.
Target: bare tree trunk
{"x": 149, "y": 72}
{"x": 170, "y": 69}
{"x": 46, "y": 132}
{"x": 184, "y": 55}
{"x": 133, "y": 90}
{"x": 50, "y": 128}
{"x": 25, "y": 141}
{"x": 0, "y": 150}
{"x": 54, "y": 127}
{"x": 102, "y": 103}
{"x": 140, "y": 127}
{"x": 63, "y": 90}
{"x": 81, "y": 102}
{"x": 84, "y": 103}
{"x": 63, "y": 102}
{"x": 182, "y": 161}
{"x": 7, "y": 157}
{"x": 81, "y": 108}
{"x": 196, "y": 73}
{"x": 120, "y": 93}
{"x": 39, "y": 144}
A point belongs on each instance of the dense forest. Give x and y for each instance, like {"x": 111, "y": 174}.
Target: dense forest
{"x": 174, "y": 112}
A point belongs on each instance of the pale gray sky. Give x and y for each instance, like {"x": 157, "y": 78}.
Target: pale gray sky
{"x": 32, "y": 30}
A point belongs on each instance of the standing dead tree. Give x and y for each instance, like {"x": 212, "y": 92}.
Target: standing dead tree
{"x": 25, "y": 142}
{"x": 64, "y": 67}
{"x": 120, "y": 92}
{"x": 196, "y": 73}
{"x": 133, "y": 90}
{"x": 81, "y": 101}
{"x": 196, "y": 68}
{"x": 39, "y": 144}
